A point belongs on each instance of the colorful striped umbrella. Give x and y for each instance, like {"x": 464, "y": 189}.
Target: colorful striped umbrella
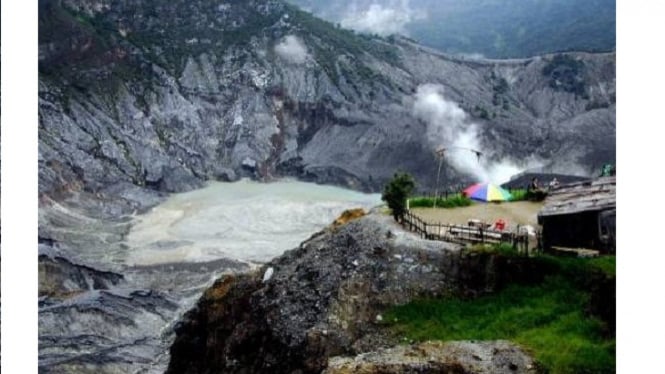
{"x": 487, "y": 192}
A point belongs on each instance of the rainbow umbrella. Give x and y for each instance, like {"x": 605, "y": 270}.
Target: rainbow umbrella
{"x": 487, "y": 192}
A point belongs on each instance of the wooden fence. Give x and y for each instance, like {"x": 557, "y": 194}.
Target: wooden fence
{"x": 465, "y": 234}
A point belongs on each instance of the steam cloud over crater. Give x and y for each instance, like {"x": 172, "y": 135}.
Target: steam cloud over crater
{"x": 448, "y": 127}
{"x": 386, "y": 19}
{"x": 292, "y": 49}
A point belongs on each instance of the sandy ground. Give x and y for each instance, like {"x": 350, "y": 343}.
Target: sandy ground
{"x": 515, "y": 213}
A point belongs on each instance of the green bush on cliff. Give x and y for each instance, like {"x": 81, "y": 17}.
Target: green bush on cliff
{"x": 396, "y": 192}
{"x": 566, "y": 74}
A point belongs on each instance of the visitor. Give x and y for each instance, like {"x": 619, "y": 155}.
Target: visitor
{"x": 533, "y": 187}
{"x": 554, "y": 183}
{"x": 534, "y": 192}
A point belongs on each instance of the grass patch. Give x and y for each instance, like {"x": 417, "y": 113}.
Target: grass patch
{"x": 456, "y": 200}
{"x": 606, "y": 264}
{"x": 518, "y": 195}
{"x": 453, "y": 201}
{"x": 548, "y": 319}
{"x": 579, "y": 269}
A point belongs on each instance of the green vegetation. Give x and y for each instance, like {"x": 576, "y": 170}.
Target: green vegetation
{"x": 453, "y": 201}
{"x": 501, "y": 28}
{"x": 501, "y": 87}
{"x": 518, "y": 195}
{"x": 549, "y": 319}
{"x": 596, "y": 105}
{"x": 342, "y": 39}
{"x": 605, "y": 264}
{"x": 456, "y": 200}
{"x": 396, "y": 192}
{"x": 330, "y": 42}
{"x": 481, "y": 112}
{"x": 567, "y": 74}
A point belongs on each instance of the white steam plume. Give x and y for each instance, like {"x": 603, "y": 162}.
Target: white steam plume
{"x": 292, "y": 49}
{"x": 448, "y": 127}
{"x": 382, "y": 19}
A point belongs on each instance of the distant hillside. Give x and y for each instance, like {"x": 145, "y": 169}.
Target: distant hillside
{"x": 492, "y": 28}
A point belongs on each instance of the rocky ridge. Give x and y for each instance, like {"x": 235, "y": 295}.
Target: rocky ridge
{"x": 325, "y": 300}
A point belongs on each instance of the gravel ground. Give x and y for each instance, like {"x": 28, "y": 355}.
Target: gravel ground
{"x": 515, "y": 213}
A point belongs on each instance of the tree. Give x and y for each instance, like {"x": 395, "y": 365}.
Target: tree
{"x": 396, "y": 192}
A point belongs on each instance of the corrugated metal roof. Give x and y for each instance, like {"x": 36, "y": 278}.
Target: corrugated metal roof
{"x": 599, "y": 194}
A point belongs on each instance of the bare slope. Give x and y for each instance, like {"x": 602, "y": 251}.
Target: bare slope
{"x": 166, "y": 95}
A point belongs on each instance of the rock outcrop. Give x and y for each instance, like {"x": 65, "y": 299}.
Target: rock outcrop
{"x": 59, "y": 278}
{"x": 498, "y": 357}
{"x": 325, "y": 299}
{"x": 100, "y": 321}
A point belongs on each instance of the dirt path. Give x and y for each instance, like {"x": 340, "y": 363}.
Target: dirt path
{"x": 520, "y": 212}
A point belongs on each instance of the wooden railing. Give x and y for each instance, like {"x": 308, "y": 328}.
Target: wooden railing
{"x": 464, "y": 234}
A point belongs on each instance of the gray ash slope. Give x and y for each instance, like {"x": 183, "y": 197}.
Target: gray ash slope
{"x": 165, "y": 95}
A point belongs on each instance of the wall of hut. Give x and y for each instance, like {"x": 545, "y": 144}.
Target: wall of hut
{"x": 580, "y": 230}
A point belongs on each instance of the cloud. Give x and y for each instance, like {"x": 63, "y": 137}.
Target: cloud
{"x": 292, "y": 49}
{"x": 390, "y": 18}
{"x": 448, "y": 127}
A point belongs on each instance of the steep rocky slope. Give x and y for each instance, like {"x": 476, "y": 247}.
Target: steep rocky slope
{"x": 165, "y": 95}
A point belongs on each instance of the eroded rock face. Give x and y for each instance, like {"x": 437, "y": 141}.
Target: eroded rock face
{"x": 166, "y": 95}
{"x": 321, "y": 300}
{"x": 102, "y": 321}
{"x": 60, "y": 278}
{"x": 495, "y": 357}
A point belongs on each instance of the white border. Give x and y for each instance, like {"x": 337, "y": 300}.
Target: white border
{"x": 640, "y": 155}
{"x": 19, "y": 186}
{"x": 640, "y": 120}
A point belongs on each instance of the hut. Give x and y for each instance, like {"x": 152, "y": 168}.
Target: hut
{"x": 522, "y": 180}
{"x": 580, "y": 215}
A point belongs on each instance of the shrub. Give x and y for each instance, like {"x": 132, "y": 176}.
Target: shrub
{"x": 453, "y": 201}
{"x": 396, "y": 192}
{"x": 518, "y": 195}
{"x": 566, "y": 74}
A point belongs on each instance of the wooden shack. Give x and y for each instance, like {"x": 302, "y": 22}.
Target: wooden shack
{"x": 581, "y": 215}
